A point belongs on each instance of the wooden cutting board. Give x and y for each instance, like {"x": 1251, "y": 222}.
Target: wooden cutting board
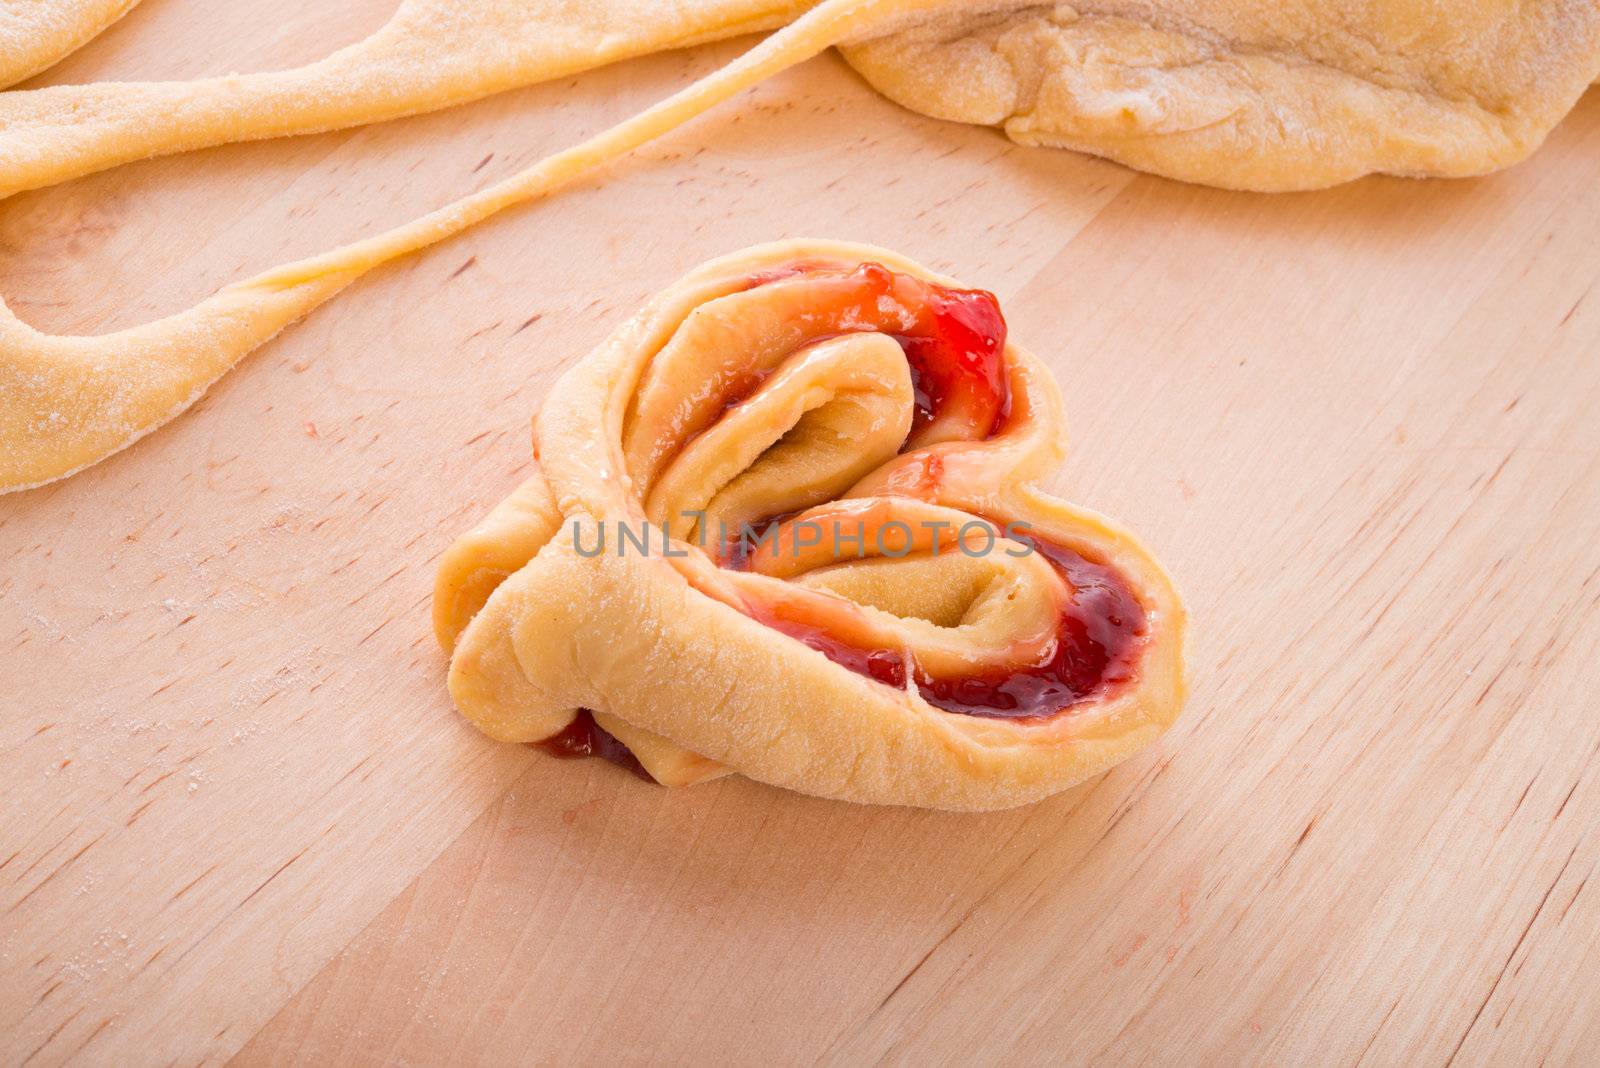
{"x": 241, "y": 819}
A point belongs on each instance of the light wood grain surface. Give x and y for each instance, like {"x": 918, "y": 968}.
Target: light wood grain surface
{"x": 241, "y": 820}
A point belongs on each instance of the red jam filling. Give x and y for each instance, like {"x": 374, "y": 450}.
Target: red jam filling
{"x": 583, "y": 737}
{"x": 957, "y": 351}
{"x": 1096, "y": 649}
{"x": 954, "y": 339}
{"x": 887, "y": 666}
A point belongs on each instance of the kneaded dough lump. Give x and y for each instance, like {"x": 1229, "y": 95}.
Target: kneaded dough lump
{"x": 1256, "y": 94}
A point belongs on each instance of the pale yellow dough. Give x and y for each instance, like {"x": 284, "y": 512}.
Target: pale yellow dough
{"x": 1246, "y": 94}
{"x": 430, "y": 55}
{"x": 34, "y": 34}
{"x": 68, "y": 401}
{"x": 1257, "y": 95}
{"x": 664, "y": 648}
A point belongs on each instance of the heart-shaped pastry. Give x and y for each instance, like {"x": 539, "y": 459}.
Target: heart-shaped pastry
{"x": 786, "y": 523}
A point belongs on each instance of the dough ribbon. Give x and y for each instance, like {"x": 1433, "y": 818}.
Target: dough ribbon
{"x": 71, "y": 401}
{"x": 35, "y": 36}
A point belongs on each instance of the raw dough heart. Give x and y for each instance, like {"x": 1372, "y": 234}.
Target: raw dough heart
{"x": 916, "y": 623}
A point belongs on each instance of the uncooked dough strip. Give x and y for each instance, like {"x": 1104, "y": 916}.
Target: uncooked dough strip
{"x": 431, "y": 54}
{"x": 71, "y": 401}
{"x": 35, "y": 36}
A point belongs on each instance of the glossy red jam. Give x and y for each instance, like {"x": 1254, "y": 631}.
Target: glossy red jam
{"x": 1096, "y": 649}
{"x": 956, "y": 351}
{"x": 883, "y": 665}
{"x": 583, "y": 737}
{"x": 954, "y": 339}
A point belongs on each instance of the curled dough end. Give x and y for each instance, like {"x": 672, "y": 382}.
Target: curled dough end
{"x": 71, "y": 401}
